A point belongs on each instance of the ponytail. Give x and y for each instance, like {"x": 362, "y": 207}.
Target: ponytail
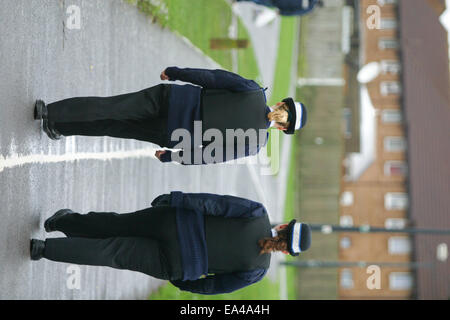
{"x": 280, "y": 115}
{"x": 278, "y": 243}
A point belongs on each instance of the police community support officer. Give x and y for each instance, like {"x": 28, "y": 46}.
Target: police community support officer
{"x": 184, "y": 238}
{"x": 220, "y": 99}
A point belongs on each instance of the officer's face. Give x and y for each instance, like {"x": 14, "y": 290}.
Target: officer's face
{"x": 281, "y": 227}
{"x": 279, "y": 127}
{"x": 279, "y": 104}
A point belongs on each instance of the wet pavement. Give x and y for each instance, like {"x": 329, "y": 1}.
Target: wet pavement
{"x": 115, "y": 50}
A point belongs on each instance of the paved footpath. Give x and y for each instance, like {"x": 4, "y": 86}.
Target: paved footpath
{"x": 116, "y": 50}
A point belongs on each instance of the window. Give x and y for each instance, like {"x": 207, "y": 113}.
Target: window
{"x": 347, "y": 114}
{"x": 395, "y": 223}
{"x": 345, "y": 242}
{"x": 387, "y": 43}
{"x": 400, "y": 281}
{"x": 399, "y": 245}
{"x": 385, "y": 2}
{"x": 347, "y": 279}
{"x": 394, "y": 144}
{"x": 396, "y": 201}
{"x": 388, "y": 23}
{"x": 390, "y": 87}
{"x": 442, "y": 252}
{"x": 346, "y": 221}
{"x": 391, "y": 116}
{"x": 346, "y": 198}
{"x": 390, "y": 66}
{"x": 395, "y": 168}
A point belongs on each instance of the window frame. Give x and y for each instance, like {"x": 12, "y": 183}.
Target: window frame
{"x": 390, "y": 163}
{"x": 387, "y": 2}
{"x": 399, "y": 245}
{"x": 400, "y": 274}
{"x": 382, "y": 43}
{"x": 385, "y": 113}
{"x": 390, "y": 88}
{"x": 389, "y": 23}
{"x": 392, "y": 204}
{"x": 346, "y": 280}
{"x": 388, "y": 144}
{"x": 395, "y": 223}
{"x": 390, "y": 66}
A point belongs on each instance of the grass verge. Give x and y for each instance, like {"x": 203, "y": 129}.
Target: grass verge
{"x": 262, "y": 290}
{"x": 199, "y": 21}
{"x": 289, "y": 214}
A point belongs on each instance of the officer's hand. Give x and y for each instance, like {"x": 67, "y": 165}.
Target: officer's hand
{"x": 163, "y": 76}
{"x": 159, "y": 153}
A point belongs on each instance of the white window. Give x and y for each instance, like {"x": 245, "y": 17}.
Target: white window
{"x": 390, "y": 66}
{"x": 399, "y": 245}
{"x": 345, "y": 242}
{"x": 347, "y": 198}
{"x": 390, "y": 87}
{"x": 394, "y": 144}
{"x": 400, "y": 281}
{"x": 396, "y": 201}
{"x": 395, "y": 223}
{"x": 346, "y": 221}
{"x": 385, "y": 2}
{"x": 347, "y": 279}
{"x": 388, "y": 23}
{"x": 391, "y": 116}
{"x": 395, "y": 168}
{"x": 442, "y": 252}
{"x": 387, "y": 43}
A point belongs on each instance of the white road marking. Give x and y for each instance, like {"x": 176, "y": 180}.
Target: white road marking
{"x": 18, "y": 160}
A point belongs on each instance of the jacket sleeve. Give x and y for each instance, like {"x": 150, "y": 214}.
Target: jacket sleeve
{"x": 298, "y": 11}
{"x": 218, "y": 205}
{"x": 221, "y": 283}
{"x": 212, "y": 79}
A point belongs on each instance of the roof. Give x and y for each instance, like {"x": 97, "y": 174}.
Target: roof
{"x": 437, "y": 5}
{"x": 426, "y": 104}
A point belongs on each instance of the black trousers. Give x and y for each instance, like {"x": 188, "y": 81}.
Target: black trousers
{"x": 139, "y": 115}
{"x": 145, "y": 241}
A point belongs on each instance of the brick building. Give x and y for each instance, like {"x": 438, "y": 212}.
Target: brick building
{"x": 386, "y": 171}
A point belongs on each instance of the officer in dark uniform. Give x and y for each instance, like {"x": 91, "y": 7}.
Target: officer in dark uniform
{"x": 219, "y": 100}
{"x": 203, "y": 243}
{"x": 289, "y": 7}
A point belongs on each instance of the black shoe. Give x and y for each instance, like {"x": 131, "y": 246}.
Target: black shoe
{"x": 40, "y": 110}
{"x": 56, "y": 134}
{"x": 37, "y": 248}
{"x": 49, "y": 223}
{"x": 50, "y": 130}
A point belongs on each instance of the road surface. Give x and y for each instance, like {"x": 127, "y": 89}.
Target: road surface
{"x": 115, "y": 50}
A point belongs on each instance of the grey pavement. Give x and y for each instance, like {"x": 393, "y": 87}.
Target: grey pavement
{"x": 116, "y": 50}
